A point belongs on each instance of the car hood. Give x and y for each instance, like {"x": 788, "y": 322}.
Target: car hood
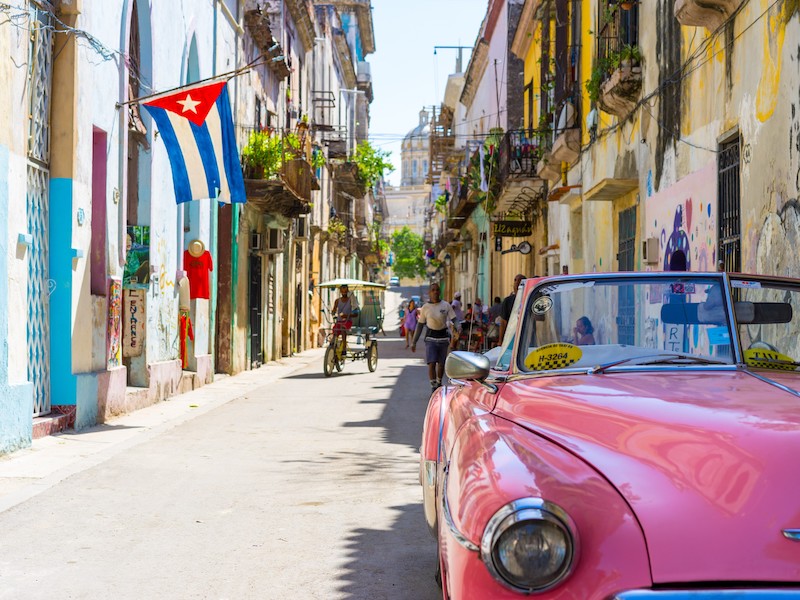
{"x": 706, "y": 460}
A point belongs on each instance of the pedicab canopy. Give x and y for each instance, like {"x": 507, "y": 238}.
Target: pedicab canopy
{"x": 353, "y": 284}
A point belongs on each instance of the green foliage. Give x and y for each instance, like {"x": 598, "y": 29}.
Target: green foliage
{"x": 317, "y": 159}
{"x": 441, "y": 204}
{"x": 336, "y": 228}
{"x": 602, "y": 68}
{"x": 630, "y": 53}
{"x": 264, "y": 154}
{"x": 407, "y": 247}
{"x": 371, "y": 163}
{"x": 606, "y": 65}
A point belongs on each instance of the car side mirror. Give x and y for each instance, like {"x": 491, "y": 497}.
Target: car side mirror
{"x": 466, "y": 366}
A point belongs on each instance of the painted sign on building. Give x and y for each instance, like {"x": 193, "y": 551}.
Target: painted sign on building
{"x": 513, "y": 228}
{"x": 133, "y": 323}
{"x": 114, "y": 333}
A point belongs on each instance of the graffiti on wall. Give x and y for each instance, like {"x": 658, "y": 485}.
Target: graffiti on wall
{"x": 683, "y": 218}
{"x": 777, "y": 243}
{"x": 114, "y": 341}
{"x": 166, "y": 316}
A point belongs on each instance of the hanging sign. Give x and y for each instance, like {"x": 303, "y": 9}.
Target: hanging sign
{"x": 513, "y": 228}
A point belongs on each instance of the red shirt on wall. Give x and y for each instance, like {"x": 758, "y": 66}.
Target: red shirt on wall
{"x": 197, "y": 269}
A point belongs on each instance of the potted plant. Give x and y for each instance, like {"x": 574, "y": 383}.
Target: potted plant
{"x": 261, "y": 157}
{"x": 629, "y": 56}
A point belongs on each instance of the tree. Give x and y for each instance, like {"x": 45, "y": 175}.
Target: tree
{"x": 407, "y": 247}
{"x": 371, "y": 162}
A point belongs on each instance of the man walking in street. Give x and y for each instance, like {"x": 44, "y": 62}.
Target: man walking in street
{"x": 438, "y": 316}
{"x": 508, "y": 304}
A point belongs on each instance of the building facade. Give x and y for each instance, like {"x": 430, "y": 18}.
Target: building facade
{"x": 98, "y": 290}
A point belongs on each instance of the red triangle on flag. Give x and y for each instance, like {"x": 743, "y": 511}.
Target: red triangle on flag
{"x": 193, "y": 103}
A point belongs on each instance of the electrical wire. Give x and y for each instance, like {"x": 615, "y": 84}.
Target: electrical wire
{"x": 683, "y": 72}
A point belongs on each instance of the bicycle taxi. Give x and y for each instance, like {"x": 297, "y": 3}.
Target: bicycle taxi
{"x": 366, "y": 323}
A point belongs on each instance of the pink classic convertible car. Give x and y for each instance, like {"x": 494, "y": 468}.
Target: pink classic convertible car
{"x": 636, "y": 437}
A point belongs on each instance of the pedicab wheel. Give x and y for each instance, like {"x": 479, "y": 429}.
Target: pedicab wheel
{"x": 372, "y": 357}
{"x": 330, "y": 361}
{"x": 338, "y": 361}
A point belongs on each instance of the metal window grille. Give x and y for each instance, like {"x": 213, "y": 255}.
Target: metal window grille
{"x": 626, "y": 321}
{"x": 40, "y": 66}
{"x": 730, "y": 222}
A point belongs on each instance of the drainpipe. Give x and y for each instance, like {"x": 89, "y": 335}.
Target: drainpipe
{"x": 212, "y": 309}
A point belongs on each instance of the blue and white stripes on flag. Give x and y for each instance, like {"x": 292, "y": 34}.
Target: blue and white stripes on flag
{"x": 196, "y": 125}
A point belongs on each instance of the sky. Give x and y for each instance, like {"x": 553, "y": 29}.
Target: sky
{"x": 406, "y": 75}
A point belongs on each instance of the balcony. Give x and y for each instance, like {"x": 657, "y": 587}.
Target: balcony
{"x": 710, "y": 14}
{"x": 618, "y": 73}
{"x": 281, "y": 184}
{"x": 364, "y": 78}
{"x": 520, "y": 153}
{"x": 619, "y": 93}
{"x": 567, "y": 143}
{"x": 347, "y": 180}
{"x": 461, "y": 207}
{"x": 258, "y": 25}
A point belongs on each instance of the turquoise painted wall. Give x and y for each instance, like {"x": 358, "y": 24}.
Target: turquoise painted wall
{"x": 16, "y": 401}
{"x": 63, "y": 382}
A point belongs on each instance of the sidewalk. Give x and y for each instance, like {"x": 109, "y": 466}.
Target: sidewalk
{"x": 51, "y": 459}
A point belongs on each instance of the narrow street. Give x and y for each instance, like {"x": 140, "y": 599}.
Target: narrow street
{"x": 278, "y": 483}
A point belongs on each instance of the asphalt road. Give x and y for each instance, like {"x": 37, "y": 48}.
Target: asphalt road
{"x": 278, "y": 483}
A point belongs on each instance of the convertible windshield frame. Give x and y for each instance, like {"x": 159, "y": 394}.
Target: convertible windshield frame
{"x": 647, "y": 278}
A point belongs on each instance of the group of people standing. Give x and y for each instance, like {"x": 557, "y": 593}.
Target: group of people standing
{"x": 442, "y": 322}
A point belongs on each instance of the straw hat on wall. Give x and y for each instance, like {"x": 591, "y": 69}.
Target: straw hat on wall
{"x": 196, "y": 248}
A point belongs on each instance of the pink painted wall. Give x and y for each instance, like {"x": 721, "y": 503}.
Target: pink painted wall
{"x": 684, "y": 216}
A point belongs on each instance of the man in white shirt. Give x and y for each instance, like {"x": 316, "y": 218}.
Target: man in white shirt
{"x": 439, "y": 317}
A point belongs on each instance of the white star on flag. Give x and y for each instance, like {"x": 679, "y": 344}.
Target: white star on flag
{"x": 189, "y": 104}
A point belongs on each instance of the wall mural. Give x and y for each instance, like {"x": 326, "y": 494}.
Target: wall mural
{"x": 114, "y": 323}
{"x": 683, "y": 217}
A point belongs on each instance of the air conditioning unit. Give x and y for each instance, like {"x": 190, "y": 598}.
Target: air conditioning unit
{"x": 255, "y": 241}
{"x": 274, "y": 240}
{"x": 301, "y": 227}
{"x": 650, "y": 251}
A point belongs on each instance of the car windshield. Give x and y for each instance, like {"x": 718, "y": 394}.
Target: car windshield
{"x": 602, "y": 323}
{"x": 768, "y": 315}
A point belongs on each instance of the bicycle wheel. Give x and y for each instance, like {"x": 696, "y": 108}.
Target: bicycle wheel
{"x": 339, "y": 357}
{"x": 372, "y": 357}
{"x": 330, "y": 360}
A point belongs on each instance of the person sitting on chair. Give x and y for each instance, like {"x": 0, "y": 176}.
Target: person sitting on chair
{"x": 345, "y": 308}
{"x": 583, "y": 332}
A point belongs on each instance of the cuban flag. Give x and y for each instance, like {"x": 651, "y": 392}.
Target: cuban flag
{"x": 197, "y": 128}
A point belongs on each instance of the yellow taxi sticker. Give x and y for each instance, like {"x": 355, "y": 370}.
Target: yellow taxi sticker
{"x": 553, "y": 356}
{"x": 768, "y": 359}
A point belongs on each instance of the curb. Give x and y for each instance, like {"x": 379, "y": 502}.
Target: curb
{"x": 51, "y": 459}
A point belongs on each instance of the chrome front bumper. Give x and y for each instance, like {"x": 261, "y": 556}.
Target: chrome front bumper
{"x": 728, "y": 594}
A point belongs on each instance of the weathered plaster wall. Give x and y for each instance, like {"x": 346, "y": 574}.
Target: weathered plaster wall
{"x": 16, "y": 401}
{"x": 485, "y": 111}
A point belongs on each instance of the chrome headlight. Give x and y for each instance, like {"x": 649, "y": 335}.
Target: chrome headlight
{"x": 529, "y": 545}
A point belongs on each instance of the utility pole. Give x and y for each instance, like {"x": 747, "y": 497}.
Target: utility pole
{"x": 459, "y": 62}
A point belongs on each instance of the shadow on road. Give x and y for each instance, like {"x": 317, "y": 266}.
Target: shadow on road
{"x": 374, "y": 558}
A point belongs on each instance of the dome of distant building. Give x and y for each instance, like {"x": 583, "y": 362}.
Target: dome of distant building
{"x": 415, "y": 153}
